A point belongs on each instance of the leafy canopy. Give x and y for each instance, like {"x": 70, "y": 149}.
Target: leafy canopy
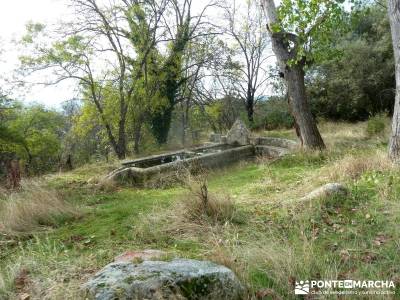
{"x": 314, "y": 23}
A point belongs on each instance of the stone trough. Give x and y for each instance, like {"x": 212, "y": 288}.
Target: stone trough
{"x": 237, "y": 145}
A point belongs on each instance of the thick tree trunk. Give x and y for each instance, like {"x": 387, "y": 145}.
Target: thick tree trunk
{"x": 394, "y": 17}
{"x": 309, "y": 134}
{"x": 113, "y": 142}
{"x": 294, "y": 78}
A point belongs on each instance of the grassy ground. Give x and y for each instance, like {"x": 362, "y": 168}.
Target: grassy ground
{"x": 274, "y": 238}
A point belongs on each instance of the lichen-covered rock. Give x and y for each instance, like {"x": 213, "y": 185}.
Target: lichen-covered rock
{"x": 326, "y": 190}
{"x": 156, "y": 280}
{"x": 238, "y": 134}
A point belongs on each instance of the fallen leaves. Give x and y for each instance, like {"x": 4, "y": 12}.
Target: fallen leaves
{"x": 380, "y": 239}
{"x": 22, "y": 279}
{"x": 24, "y": 296}
{"x": 270, "y": 293}
{"x": 369, "y": 257}
{"x": 344, "y": 255}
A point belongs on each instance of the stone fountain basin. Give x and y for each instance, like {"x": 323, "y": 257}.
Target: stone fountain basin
{"x": 159, "y": 167}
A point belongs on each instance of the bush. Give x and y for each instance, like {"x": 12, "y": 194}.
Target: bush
{"x": 273, "y": 114}
{"x": 32, "y": 208}
{"x": 376, "y": 125}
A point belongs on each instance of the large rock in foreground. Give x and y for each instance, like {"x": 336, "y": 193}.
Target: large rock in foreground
{"x": 177, "y": 279}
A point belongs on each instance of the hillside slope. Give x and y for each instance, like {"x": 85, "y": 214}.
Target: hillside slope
{"x": 270, "y": 239}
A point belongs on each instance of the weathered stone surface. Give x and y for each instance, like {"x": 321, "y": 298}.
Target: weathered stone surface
{"x": 156, "y": 280}
{"x": 162, "y": 169}
{"x": 271, "y": 151}
{"x": 215, "y": 137}
{"x": 238, "y": 134}
{"x": 147, "y": 176}
{"x": 326, "y": 190}
{"x": 276, "y": 142}
{"x": 139, "y": 256}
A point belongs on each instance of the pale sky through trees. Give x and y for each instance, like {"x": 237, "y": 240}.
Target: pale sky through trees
{"x": 14, "y": 15}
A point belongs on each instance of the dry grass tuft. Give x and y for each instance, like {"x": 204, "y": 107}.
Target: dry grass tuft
{"x": 107, "y": 185}
{"x": 353, "y": 167}
{"x": 199, "y": 214}
{"x": 46, "y": 271}
{"x": 31, "y": 208}
{"x": 202, "y": 205}
{"x": 222, "y": 254}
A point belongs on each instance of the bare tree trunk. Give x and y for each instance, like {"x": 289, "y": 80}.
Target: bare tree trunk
{"x": 250, "y": 104}
{"x": 13, "y": 174}
{"x": 185, "y": 120}
{"x": 183, "y": 125}
{"x": 138, "y": 136}
{"x": 394, "y": 17}
{"x": 122, "y": 135}
{"x": 294, "y": 77}
{"x": 68, "y": 163}
{"x": 120, "y": 146}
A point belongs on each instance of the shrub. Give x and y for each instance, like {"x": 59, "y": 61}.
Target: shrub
{"x": 376, "y": 125}
{"x": 273, "y": 114}
{"x": 32, "y": 208}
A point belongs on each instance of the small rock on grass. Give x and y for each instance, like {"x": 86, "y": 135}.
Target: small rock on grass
{"x": 327, "y": 190}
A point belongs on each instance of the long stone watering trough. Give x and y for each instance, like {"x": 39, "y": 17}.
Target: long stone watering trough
{"x": 237, "y": 145}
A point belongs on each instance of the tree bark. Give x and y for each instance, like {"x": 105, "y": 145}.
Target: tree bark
{"x": 138, "y": 136}
{"x": 250, "y": 104}
{"x": 14, "y": 174}
{"x": 394, "y": 18}
{"x": 309, "y": 134}
{"x": 121, "y": 133}
{"x": 293, "y": 73}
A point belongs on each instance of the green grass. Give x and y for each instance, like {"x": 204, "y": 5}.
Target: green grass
{"x": 276, "y": 238}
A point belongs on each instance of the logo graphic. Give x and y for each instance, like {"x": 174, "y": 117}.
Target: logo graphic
{"x": 302, "y": 288}
{"x": 348, "y": 284}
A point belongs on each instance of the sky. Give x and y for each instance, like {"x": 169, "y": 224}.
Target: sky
{"x": 14, "y": 15}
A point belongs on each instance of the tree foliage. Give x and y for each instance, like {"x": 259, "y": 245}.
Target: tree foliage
{"x": 359, "y": 81}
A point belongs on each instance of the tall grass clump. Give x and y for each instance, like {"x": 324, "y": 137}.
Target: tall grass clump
{"x": 31, "y": 208}
{"x": 353, "y": 166}
{"x": 201, "y": 205}
{"x": 376, "y": 125}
